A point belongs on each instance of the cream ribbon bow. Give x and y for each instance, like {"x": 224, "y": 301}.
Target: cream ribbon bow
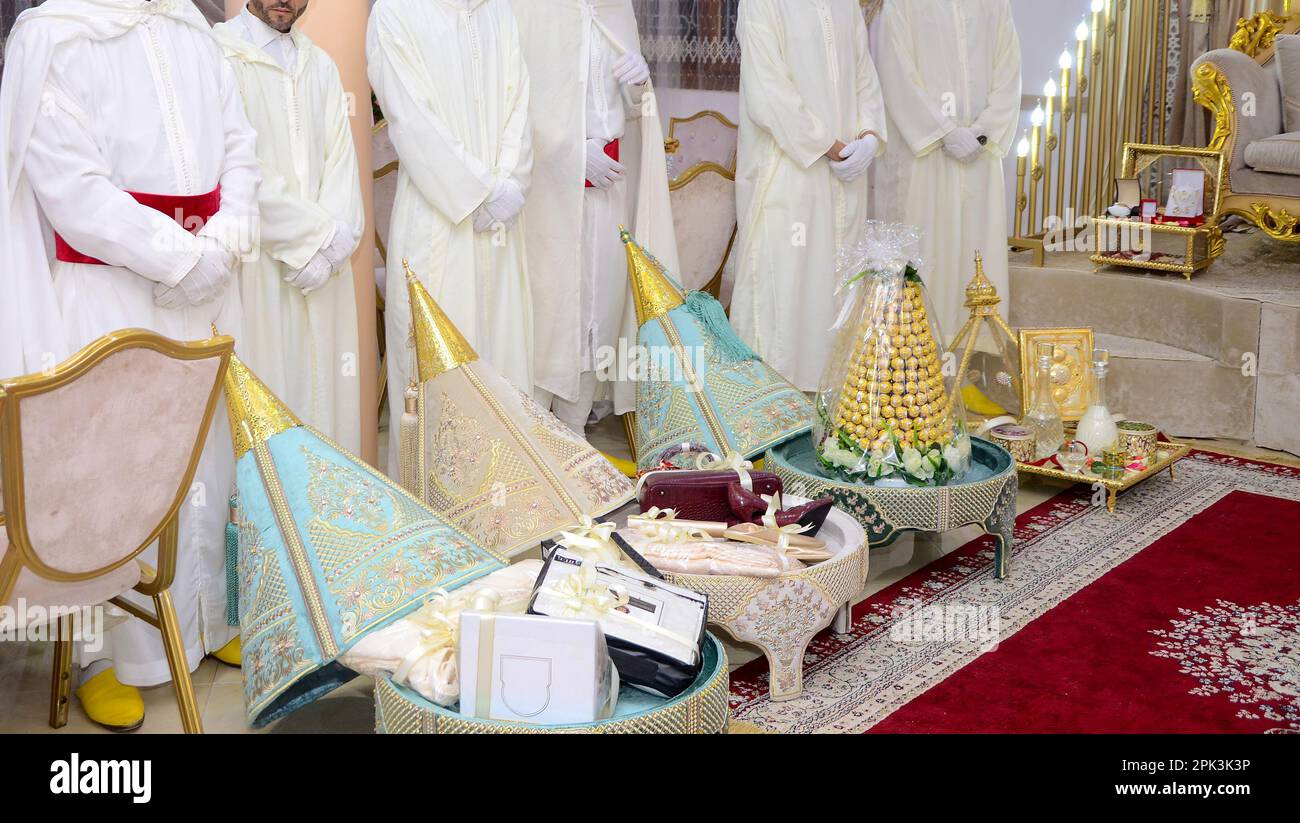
{"x": 582, "y": 595}
{"x": 710, "y": 461}
{"x": 439, "y": 624}
{"x": 769, "y": 520}
{"x": 657, "y": 524}
{"x": 593, "y": 541}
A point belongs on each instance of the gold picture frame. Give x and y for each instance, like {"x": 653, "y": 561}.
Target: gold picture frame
{"x": 1071, "y": 360}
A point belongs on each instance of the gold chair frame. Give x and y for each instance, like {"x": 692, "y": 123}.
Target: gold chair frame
{"x": 1277, "y": 215}
{"x": 154, "y": 583}
{"x": 672, "y": 144}
{"x": 380, "y": 173}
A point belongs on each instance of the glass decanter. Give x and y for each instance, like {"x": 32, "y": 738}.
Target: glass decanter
{"x": 1044, "y": 417}
{"x": 1097, "y": 428}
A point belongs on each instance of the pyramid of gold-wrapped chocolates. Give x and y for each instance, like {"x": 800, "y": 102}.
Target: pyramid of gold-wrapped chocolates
{"x": 894, "y": 379}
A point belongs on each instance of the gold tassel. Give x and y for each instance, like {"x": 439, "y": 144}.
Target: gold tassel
{"x": 409, "y": 443}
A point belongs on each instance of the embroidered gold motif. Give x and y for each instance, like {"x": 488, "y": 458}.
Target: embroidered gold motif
{"x": 468, "y": 457}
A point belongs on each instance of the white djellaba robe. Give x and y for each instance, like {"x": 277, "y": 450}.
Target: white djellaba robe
{"x": 580, "y": 312}
{"x": 806, "y": 80}
{"x": 451, "y": 81}
{"x": 101, "y": 97}
{"x": 303, "y": 346}
{"x": 945, "y": 64}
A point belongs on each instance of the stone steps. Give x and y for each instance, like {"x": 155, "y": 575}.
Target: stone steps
{"x": 1181, "y": 354}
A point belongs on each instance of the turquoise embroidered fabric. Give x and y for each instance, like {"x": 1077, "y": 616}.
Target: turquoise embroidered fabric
{"x": 741, "y": 404}
{"x": 329, "y": 550}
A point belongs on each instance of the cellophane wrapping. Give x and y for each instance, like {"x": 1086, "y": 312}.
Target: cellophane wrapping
{"x": 888, "y": 408}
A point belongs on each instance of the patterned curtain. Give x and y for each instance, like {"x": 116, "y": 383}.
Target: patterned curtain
{"x": 691, "y": 44}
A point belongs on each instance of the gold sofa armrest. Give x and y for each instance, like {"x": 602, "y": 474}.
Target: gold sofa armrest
{"x": 1221, "y": 81}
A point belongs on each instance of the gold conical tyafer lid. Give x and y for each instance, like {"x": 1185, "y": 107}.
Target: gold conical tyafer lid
{"x": 439, "y": 345}
{"x": 256, "y": 414}
{"x": 654, "y": 294}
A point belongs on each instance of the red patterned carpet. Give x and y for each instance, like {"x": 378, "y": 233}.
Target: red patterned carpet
{"x": 1178, "y": 613}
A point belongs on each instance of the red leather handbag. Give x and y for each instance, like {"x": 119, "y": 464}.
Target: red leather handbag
{"x": 700, "y": 495}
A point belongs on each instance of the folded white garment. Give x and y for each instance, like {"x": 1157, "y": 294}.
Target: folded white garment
{"x": 419, "y": 650}
{"x": 710, "y": 556}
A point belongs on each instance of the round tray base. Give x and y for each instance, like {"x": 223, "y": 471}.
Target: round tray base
{"x": 985, "y": 497}
{"x": 701, "y": 709}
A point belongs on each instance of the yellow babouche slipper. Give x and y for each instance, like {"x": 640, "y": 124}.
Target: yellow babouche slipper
{"x": 979, "y": 402}
{"x": 625, "y": 467}
{"x": 231, "y": 654}
{"x": 110, "y": 704}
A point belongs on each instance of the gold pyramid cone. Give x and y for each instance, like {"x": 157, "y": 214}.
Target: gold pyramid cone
{"x": 895, "y": 379}
{"x": 654, "y": 294}
{"x": 256, "y": 414}
{"x": 439, "y": 345}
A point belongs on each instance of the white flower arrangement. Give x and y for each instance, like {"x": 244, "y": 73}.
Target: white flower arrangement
{"x": 842, "y": 457}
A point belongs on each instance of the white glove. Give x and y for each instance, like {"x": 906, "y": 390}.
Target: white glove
{"x": 502, "y": 206}
{"x": 631, "y": 70}
{"x": 341, "y": 245}
{"x": 603, "y": 171}
{"x": 202, "y": 283}
{"x": 962, "y": 144}
{"x": 312, "y": 276}
{"x": 857, "y": 157}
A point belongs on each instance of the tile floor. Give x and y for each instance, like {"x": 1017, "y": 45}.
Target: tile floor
{"x": 25, "y": 668}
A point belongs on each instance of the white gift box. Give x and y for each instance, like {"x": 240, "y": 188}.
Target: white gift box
{"x": 530, "y": 669}
{"x": 658, "y": 616}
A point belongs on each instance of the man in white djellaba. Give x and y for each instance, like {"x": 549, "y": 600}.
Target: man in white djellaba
{"x": 451, "y": 81}
{"x": 109, "y": 106}
{"x": 951, "y": 75}
{"x": 299, "y": 305}
{"x": 588, "y": 179}
{"x": 811, "y": 123}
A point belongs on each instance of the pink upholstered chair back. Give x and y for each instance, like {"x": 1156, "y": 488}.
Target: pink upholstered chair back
{"x": 706, "y": 137}
{"x": 704, "y": 219}
{"x": 100, "y": 455}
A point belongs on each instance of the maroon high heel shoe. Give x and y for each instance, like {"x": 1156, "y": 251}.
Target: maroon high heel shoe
{"x": 750, "y": 508}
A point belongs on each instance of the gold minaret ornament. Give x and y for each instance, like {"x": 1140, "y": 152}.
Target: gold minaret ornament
{"x": 983, "y": 300}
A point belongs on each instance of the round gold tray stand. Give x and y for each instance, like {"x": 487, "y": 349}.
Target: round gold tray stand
{"x": 781, "y": 615}
{"x": 703, "y": 709}
{"x": 885, "y": 513}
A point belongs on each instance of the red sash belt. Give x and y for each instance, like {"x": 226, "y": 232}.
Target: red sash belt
{"x": 611, "y": 149}
{"x": 191, "y": 211}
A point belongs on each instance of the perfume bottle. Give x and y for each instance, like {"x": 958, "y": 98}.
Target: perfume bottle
{"x": 1097, "y": 429}
{"x": 1044, "y": 418}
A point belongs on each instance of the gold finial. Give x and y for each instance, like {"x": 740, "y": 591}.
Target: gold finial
{"x": 980, "y": 291}
{"x": 256, "y": 414}
{"x": 439, "y": 345}
{"x": 653, "y": 292}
